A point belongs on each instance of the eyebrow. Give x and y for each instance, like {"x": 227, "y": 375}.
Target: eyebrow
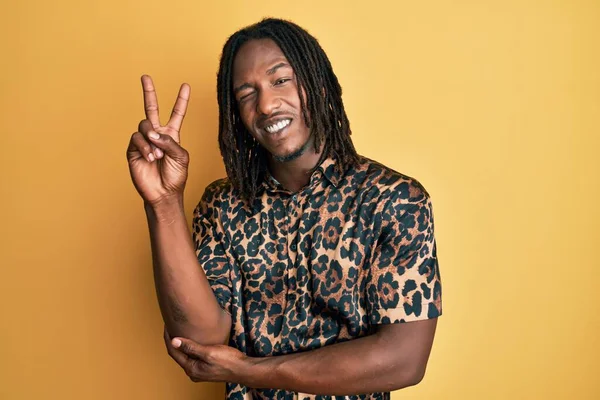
{"x": 270, "y": 71}
{"x": 241, "y": 87}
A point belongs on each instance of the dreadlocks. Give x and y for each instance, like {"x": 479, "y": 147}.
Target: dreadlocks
{"x": 244, "y": 158}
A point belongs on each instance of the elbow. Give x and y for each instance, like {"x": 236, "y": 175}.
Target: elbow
{"x": 217, "y": 334}
{"x": 210, "y": 339}
{"x": 416, "y": 377}
{"x": 410, "y": 376}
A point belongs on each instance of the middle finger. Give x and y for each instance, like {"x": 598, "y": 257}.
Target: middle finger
{"x": 179, "y": 110}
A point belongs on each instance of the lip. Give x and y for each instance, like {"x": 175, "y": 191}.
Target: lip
{"x": 263, "y": 126}
{"x": 279, "y": 134}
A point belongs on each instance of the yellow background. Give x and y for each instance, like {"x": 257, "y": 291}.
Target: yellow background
{"x": 493, "y": 105}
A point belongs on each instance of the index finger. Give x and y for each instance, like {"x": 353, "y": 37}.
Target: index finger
{"x": 150, "y": 101}
{"x": 180, "y": 107}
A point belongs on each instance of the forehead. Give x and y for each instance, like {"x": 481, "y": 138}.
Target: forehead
{"x": 256, "y": 56}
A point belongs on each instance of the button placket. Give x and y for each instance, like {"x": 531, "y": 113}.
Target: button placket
{"x": 291, "y": 223}
{"x": 291, "y": 219}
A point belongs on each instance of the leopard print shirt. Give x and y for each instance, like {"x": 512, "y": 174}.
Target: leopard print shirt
{"x": 299, "y": 271}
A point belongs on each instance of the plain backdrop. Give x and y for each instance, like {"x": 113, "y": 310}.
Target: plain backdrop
{"x": 493, "y": 105}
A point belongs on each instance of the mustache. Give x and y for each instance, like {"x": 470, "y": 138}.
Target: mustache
{"x": 262, "y": 121}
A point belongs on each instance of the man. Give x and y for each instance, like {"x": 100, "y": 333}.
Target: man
{"x": 317, "y": 266}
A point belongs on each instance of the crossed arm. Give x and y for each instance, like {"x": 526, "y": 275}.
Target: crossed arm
{"x": 393, "y": 358}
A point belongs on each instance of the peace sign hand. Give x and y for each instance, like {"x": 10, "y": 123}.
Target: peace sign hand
{"x": 157, "y": 163}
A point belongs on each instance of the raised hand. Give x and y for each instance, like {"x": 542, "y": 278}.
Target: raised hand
{"x": 157, "y": 163}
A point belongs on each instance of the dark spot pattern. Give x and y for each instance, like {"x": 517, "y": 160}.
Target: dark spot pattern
{"x": 299, "y": 271}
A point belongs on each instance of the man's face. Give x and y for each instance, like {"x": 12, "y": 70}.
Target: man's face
{"x": 266, "y": 91}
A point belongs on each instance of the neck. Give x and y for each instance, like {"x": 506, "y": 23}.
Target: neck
{"x": 295, "y": 174}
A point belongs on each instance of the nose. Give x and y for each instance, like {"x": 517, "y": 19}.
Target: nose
{"x": 268, "y": 102}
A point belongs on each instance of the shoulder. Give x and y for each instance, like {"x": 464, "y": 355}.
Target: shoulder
{"x": 218, "y": 190}
{"x": 216, "y": 194}
{"x": 392, "y": 184}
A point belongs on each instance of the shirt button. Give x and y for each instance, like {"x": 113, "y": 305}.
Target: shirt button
{"x": 293, "y": 247}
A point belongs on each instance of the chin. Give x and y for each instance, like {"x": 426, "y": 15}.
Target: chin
{"x": 292, "y": 155}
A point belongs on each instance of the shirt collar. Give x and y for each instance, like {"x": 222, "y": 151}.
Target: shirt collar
{"x": 327, "y": 168}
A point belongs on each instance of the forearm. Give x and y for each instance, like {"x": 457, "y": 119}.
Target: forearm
{"x": 187, "y": 303}
{"x": 364, "y": 365}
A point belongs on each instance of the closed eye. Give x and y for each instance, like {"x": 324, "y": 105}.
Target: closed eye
{"x": 246, "y": 96}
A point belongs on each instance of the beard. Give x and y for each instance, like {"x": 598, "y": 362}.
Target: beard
{"x": 295, "y": 154}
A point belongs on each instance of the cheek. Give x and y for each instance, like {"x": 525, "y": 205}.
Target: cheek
{"x": 294, "y": 99}
{"x": 246, "y": 116}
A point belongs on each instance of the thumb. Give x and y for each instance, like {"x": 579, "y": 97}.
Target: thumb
{"x": 170, "y": 147}
{"x": 188, "y": 347}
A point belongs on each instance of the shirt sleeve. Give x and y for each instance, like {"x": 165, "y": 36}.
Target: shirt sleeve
{"x": 210, "y": 250}
{"x": 404, "y": 280}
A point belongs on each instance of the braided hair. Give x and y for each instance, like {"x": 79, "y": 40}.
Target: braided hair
{"x": 244, "y": 158}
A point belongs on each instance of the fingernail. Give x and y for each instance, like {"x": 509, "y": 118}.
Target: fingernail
{"x": 176, "y": 343}
{"x": 151, "y": 157}
{"x": 154, "y": 135}
{"x": 158, "y": 153}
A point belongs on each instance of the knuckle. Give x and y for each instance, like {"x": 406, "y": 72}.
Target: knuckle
{"x": 178, "y": 111}
{"x": 186, "y": 348}
{"x": 190, "y": 370}
{"x": 138, "y": 139}
{"x": 144, "y": 126}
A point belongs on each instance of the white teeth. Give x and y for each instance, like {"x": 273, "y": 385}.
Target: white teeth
{"x": 278, "y": 126}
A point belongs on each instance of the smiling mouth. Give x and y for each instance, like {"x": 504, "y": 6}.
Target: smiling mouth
{"x": 278, "y": 127}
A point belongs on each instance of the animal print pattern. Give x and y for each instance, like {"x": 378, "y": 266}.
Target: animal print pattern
{"x": 299, "y": 271}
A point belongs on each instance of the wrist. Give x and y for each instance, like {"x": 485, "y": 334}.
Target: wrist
{"x": 165, "y": 208}
{"x": 257, "y": 372}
